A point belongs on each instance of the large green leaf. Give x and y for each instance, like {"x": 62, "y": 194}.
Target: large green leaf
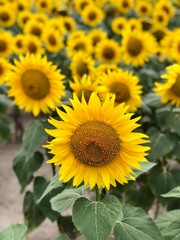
{"x": 163, "y": 221}
{"x": 4, "y": 126}
{"x": 32, "y": 213}
{"x": 175, "y": 192}
{"x": 62, "y": 237}
{"x": 136, "y": 225}
{"x": 146, "y": 166}
{"x": 65, "y": 199}
{"x": 96, "y": 219}
{"x": 54, "y": 183}
{"x": 172, "y": 232}
{"x": 14, "y": 232}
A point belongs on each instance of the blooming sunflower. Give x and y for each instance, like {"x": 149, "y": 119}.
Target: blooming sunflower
{"x": 95, "y": 143}
{"x": 97, "y": 35}
{"x": 21, "y": 6}
{"x": 175, "y": 49}
{"x": 108, "y": 51}
{"x": 34, "y": 27}
{"x": 137, "y": 47}
{"x": 18, "y": 44}
{"x": 134, "y": 24}
{"x": 23, "y": 18}
{"x": 5, "y": 43}
{"x": 7, "y": 16}
{"x": 143, "y": 8}
{"x": 146, "y": 23}
{"x": 80, "y": 5}
{"x": 4, "y": 69}
{"x": 33, "y": 45}
{"x": 118, "y": 25}
{"x": 160, "y": 18}
{"x": 124, "y": 6}
{"x": 165, "y": 6}
{"x": 82, "y": 65}
{"x": 43, "y": 5}
{"x": 170, "y": 90}
{"x": 35, "y": 84}
{"x": 68, "y": 23}
{"x": 52, "y": 40}
{"x": 125, "y": 87}
{"x": 92, "y": 15}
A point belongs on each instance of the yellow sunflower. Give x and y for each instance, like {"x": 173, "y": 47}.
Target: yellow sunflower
{"x": 82, "y": 64}
{"x": 146, "y": 23}
{"x": 124, "y": 6}
{"x": 85, "y": 86}
{"x": 44, "y": 5}
{"x": 35, "y": 84}
{"x": 34, "y": 27}
{"x": 52, "y": 40}
{"x": 69, "y": 24}
{"x": 108, "y": 51}
{"x": 97, "y": 35}
{"x": 4, "y": 69}
{"x": 18, "y": 44}
{"x": 143, "y": 8}
{"x": 137, "y": 47}
{"x": 166, "y": 43}
{"x": 105, "y": 68}
{"x": 80, "y": 5}
{"x": 5, "y": 43}
{"x": 134, "y": 24}
{"x": 166, "y": 6}
{"x": 175, "y": 49}
{"x": 95, "y": 144}
{"x": 40, "y": 17}
{"x": 57, "y": 25}
{"x": 7, "y": 16}
{"x": 160, "y": 18}
{"x": 21, "y": 6}
{"x": 92, "y": 15}
{"x": 33, "y": 45}
{"x": 170, "y": 90}
{"x": 23, "y": 18}
{"x": 125, "y": 87}
{"x": 118, "y": 25}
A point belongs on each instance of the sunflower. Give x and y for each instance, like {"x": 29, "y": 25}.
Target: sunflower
{"x": 170, "y": 90}
{"x": 33, "y": 45}
{"x": 7, "y": 16}
{"x": 175, "y": 49}
{"x": 80, "y": 5}
{"x": 125, "y": 87}
{"x": 35, "y": 84}
{"x": 118, "y": 25}
{"x": 159, "y": 33}
{"x": 165, "y": 6}
{"x": 92, "y": 15}
{"x": 95, "y": 144}
{"x": 166, "y": 43}
{"x": 23, "y": 18}
{"x": 4, "y": 69}
{"x": 18, "y": 44}
{"x": 43, "y": 5}
{"x": 160, "y": 18}
{"x": 57, "y": 25}
{"x": 97, "y": 35}
{"x": 40, "y": 17}
{"x": 5, "y": 43}
{"x": 21, "y": 6}
{"x": 143, "y": 8}
{"x": 52, "y": 40}
{"x": 105, "y": 68}
{"x": 34, "y": 27}
{"x": 82, "y": 65}
{"x": 108, "y": 51}
{"x": 134, "y": 24}
{"x": 78, "y": 44}
{"x": 146, "y": 23}
{"x": 137, "y": 47}
{"x": 69, "y": 24}
{"x": 124, "y": 6}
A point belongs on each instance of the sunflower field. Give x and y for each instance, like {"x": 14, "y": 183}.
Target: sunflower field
{"x": 99, "y": 84}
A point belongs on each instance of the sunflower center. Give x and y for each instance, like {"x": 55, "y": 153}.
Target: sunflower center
{"x": 95, "y": 143}
{"x": 43, "y": 4}
{"x": 52, "y": 40}
{"x": 143, "y": 9}
{"x": 166, "y": 9}
{"x": 79, "y": 46}
{"x": 125, "y": 4}
{"x": 108, "y": 53}
{"x": 67, "y": 26}
{"x": 146, "y": 25}
{"x": 82, "y": 69}
{"x": 1, "y": 70}
{"x": 134, "y": 46}
{"x": 159, "y": 34}
{"x": 20, "y": 7}
{"x": 121, "y": 91}
{"x": 35, "y": 84}
{"x": 19, "y": 43}
{"x": 32, "y": 47}
{"x": 4, "y": 16}
{"x": 176, "y": 87}
{"x": 36, "y": 31}
{"x": 160, "y": 18}
{"x": 3, "y": 46}
{"x": 92, "y": 16}
{"x": 86, "y": 93}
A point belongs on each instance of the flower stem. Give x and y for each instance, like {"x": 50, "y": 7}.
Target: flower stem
{"x": 97, "y": 193}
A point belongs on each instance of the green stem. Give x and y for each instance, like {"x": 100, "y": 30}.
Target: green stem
{"x": 97, "y": 193}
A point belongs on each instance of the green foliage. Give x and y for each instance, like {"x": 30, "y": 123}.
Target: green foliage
{"x": 134, "y": 224}
{"x": 175, "y": 192}
{"x": 62, "y": 237}
{"x": 96, "y": 219}
{"x": 14, "y": 232}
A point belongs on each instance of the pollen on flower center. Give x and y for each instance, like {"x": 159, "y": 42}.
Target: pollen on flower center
{"x": 35, "y": 84}
{"x": 121, "y": 91}
{"x": 176, "y": 87}
{"x": 108, "y": 53}
{"x": 92, "y": 15}
{"x": 95, "y": 143}
{"x": 134, "y": 46}
{"x": 4, "y": 16}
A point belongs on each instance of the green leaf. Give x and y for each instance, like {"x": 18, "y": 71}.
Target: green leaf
{"x": 172, "y": 232}
{"x": 152, "y": 100}
{"x": 136, "y": 225}
{"x": 4, "y": 126}
{"x": 96, "y": 219}
{"x": 166, "y": 219}
{"x": 33, "y": 136}
{"x": 40, "y": 185}
{"x": 146, "y": 166}
{"x": 175, "y": 192}
{"x": 163, "y": 116}
{"x": 161, "y": 181}
{"x": 176, "y": 152}
{"x": 33, "y": 215}
{"x": 14, "y": 232}
{"x": 161, "y": 144}
{"x": 54, "y": 183}
{"x": 24, "y": 166}
{"x": 65, "y": 199}
{"x": 62, "y": 237}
